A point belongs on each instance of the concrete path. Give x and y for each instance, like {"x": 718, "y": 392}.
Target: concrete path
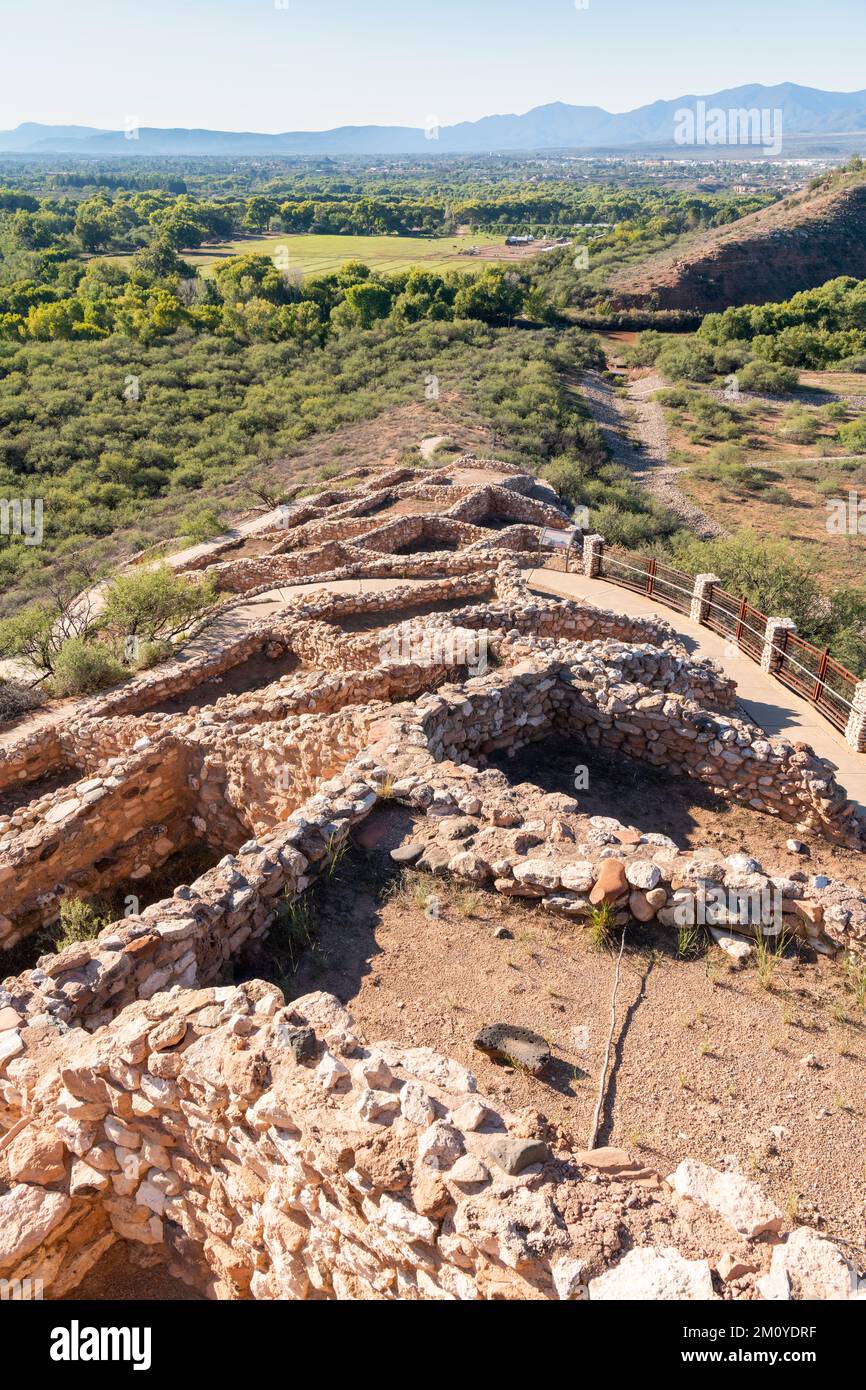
{"x": 760, "y": 698}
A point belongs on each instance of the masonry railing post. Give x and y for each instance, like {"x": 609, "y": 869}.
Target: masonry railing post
{"x": 593, "y": 550}
{"x": 774, "y": 642}
{"x": 855, "y": 729}
{"x": 702, "y": 597}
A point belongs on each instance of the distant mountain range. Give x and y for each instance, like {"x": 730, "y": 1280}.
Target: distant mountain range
{"x": 821, "y": 121}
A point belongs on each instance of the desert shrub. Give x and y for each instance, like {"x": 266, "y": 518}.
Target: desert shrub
{"x": 853, "y": 436}
{"x": 17, "y": 699}
{"x": 82, "y": 667}
{"x": 645, "y": 350}
{"x": 712, "y": 419}
{"x": 154, "y": 605}
{"x": 799, "y": 427}
{"x": 730, "y": 357}
{"x": 765, "y": 572}
{"x": 201, "y": 524}
{"x": 151, "y": 653}
{"x": 78, "y": 922}
{"x": 568, "y": 478}
{"x": 675, "y": 397}
{"x": 767, "y": 378}
{"x": 686, "y": 361}
{"x": 634, "y": 529}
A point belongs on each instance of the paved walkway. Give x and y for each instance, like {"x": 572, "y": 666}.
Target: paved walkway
{"x": 763, "y": 700}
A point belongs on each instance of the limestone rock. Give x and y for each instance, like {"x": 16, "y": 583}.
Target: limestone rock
{"x": 808, "y": 1266}
{"x": 440, "y": 1145}
{"x": 733, "y": 946}
{"x": 653, "y": 1273}
{"x": 37, "y": 1156}
{"x": 578, "y": 877}
{"x": 416, "y": 1105}
{"x": 27, "y": 1215}
{"x": 468, "y": 1171}
{"x": 643, "y": 873}
{"x": 730, "y": 1268}
{"x": 537, "y": 873}
{"x": 738, "y": 1200}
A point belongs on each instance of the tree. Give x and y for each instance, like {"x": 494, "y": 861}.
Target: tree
{"x": 495, "y": 296}
{"x": 153, "y": 605}
{"x": 37, "y": 634}
{"x": 258, "y": 213}
{"x": 149, "y": 313}
{"x": 367, "y": 302}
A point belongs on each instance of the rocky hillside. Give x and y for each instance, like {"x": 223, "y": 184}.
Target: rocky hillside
{"x": 796, "y": 244}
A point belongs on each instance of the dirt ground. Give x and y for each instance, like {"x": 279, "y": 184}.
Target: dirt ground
{"x": 253, "y": 674}
{"x": 708, "y": 1062}
{"x": 116, "y": 1278}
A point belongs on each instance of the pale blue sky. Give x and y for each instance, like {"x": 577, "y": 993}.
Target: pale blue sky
{"x": 248, "y": 65}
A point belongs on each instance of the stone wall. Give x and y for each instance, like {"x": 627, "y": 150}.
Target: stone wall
{"x": 105, "y": 829}
{"x": 264, "y": 1151}
{"x": 31, "y": 756}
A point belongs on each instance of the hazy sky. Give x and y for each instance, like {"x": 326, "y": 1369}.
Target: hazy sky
{"x": 251, "y": 65}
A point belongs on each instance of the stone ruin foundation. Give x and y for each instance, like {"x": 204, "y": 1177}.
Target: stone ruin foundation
{"x": 257, "y": 1146}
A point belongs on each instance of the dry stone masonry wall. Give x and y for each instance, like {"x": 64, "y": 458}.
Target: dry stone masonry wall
{"x": 259, "y": 1146}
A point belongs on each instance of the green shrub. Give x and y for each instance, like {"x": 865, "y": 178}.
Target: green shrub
{"x": 800, "y": 428}
{"x": 78, "y": 922}
{"x": 203, "y": 524}
{"x": 767, "y": 378}
{"x": 764, "y": 572}
{"x": 853, "y": 436}
{"x": 153, "y": 605}
{"x": 646, "y": 348}
{"x": 686, "y": 361}
{"x": 152, "y": 653}
{"x": 82, "y": 667}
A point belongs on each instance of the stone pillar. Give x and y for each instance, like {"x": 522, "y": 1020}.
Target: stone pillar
{"x": 855, "y": 730}
{"x": 593, "y": 550}
{"x": 702, "y": 596}
{"x": 774, "y": 639}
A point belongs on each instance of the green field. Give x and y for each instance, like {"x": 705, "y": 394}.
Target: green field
{"x": 317, "y": 255}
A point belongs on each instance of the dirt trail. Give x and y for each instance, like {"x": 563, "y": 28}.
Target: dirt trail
{"x": 648, "y": 464}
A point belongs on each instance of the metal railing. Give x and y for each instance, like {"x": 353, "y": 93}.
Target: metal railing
{"x": 809, "y": 671}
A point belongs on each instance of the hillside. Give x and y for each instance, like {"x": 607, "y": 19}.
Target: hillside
{"x": 799, "y": 243}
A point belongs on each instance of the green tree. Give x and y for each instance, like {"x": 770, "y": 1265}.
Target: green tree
{"x": 258, "y": 213}
{"x": 153, "y": 604}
